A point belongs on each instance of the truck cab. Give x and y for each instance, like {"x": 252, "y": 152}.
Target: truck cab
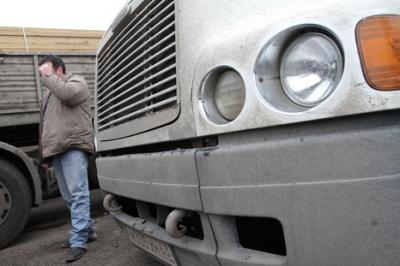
{"x": 253, "y": 132}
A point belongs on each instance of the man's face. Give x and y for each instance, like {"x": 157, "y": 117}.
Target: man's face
{"x": 47, "y": 69}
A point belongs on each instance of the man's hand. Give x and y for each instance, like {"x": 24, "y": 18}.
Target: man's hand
{"x": 46, "y": 69}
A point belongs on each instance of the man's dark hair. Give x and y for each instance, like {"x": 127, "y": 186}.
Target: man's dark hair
{"x": 55, "y": 60}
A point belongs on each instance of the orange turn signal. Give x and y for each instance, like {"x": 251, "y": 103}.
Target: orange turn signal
{"x": 379, "y": 45}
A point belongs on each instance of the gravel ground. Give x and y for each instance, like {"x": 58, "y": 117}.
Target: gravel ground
{"x": 40, "y": 243}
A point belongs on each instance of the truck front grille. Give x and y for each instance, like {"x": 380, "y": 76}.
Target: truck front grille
{"x": 136, "y": 69}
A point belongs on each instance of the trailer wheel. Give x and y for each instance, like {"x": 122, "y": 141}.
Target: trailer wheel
{"x": 15, "y": 202}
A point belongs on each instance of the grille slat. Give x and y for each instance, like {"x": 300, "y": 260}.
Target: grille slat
{"x": 145, "y": 100}
{"x": 134, "y": 60}
{"x": 165, "y": 102}
{"x": 138, "y": 33}
{"x": 136, "y": 47}
{"x": 141, "y": 57}
{"x": 137, "y": 77}
{"x": 136, "y": 70}
{"x": 147, "y": 89}
{"x": 124, "y": 33}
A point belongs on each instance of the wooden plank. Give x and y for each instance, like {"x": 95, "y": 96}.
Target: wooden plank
{"x": 81, "y": 70}
{"x": 37, "y": 80}
{"x": 7, "y": 59}
{"x": 54, "y": 40}
{"x": 27, "y": 69}
{"x": 79, "y": 60}
{"x": 16, "y": 90}
{"x": 18, "y": 31}
{"x": 11, "y": 31}
{"x": 11, "y": 39}
{"x": 13, "y": 43}
{"x": 15, "y": 98}
{"x": 54, "y": 49}
{"x": 77, "y": 71}
{"x": 61, "y": 40}
{"x": 82, "y": 60}
{"x": 62, "y": 46}
{"x": 63, "y": 32}
{"x": 27, "y": 110}
{"x": 10, "y": 73}
{"x": 14, "y": 84}
{"x": 18, "y": 103}
{"x": 15, "y": 107}
{"x": 17, "y": 78}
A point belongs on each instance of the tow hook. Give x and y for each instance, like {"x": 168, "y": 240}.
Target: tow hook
{"x": 111, "y": 204}
{"x": 175, "y": 224}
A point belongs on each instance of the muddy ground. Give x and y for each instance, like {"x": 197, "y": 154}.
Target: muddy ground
{"x": 40, "y": 243}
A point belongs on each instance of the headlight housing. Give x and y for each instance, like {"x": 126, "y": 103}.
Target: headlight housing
{"x": 310, "y": 69}
{"x": 299, "y": 68}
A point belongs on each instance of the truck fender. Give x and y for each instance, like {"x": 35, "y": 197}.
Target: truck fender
{"x": 28, "y": 162}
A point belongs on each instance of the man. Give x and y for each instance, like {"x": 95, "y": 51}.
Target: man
{"x": 66, "y": 139}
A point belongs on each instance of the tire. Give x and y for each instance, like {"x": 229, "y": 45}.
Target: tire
{"x": 15, "y": 202}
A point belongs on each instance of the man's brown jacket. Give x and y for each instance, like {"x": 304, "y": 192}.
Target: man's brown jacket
{"x": 65, "y": 120}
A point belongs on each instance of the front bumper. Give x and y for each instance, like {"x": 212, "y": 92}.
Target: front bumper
{"x": 332, "y": 184}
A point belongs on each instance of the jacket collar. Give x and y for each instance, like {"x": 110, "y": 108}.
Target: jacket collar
{"x": 67, "y": 76}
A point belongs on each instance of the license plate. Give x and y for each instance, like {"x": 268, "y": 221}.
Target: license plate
{"x": 153, "y": 246}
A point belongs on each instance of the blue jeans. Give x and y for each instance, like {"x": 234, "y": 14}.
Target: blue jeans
{"x": 71, "y": 173}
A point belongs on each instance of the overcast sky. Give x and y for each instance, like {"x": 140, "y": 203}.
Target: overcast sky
{"x": 67, "y": 14}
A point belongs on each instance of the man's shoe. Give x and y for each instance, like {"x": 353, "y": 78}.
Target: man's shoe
{"x": 74, "y": 254}
{"x": 91, "y": 238}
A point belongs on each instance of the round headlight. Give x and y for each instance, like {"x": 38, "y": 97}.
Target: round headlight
{"x": 311, "y": 68}
{"x": 222, "y": 95}
{"x": 229, "y": 94}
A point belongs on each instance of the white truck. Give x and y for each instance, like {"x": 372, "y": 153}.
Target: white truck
{"x": 253, "y": 132}
{"x": 24, "y": 182}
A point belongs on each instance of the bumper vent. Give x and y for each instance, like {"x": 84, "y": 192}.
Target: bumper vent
{"x": 136, "y": 72}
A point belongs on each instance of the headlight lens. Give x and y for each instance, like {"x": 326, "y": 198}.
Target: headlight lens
{"x": 310, "y": 69}
{"x": 229, "y": 94}
{"x": 222, "y": 95}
